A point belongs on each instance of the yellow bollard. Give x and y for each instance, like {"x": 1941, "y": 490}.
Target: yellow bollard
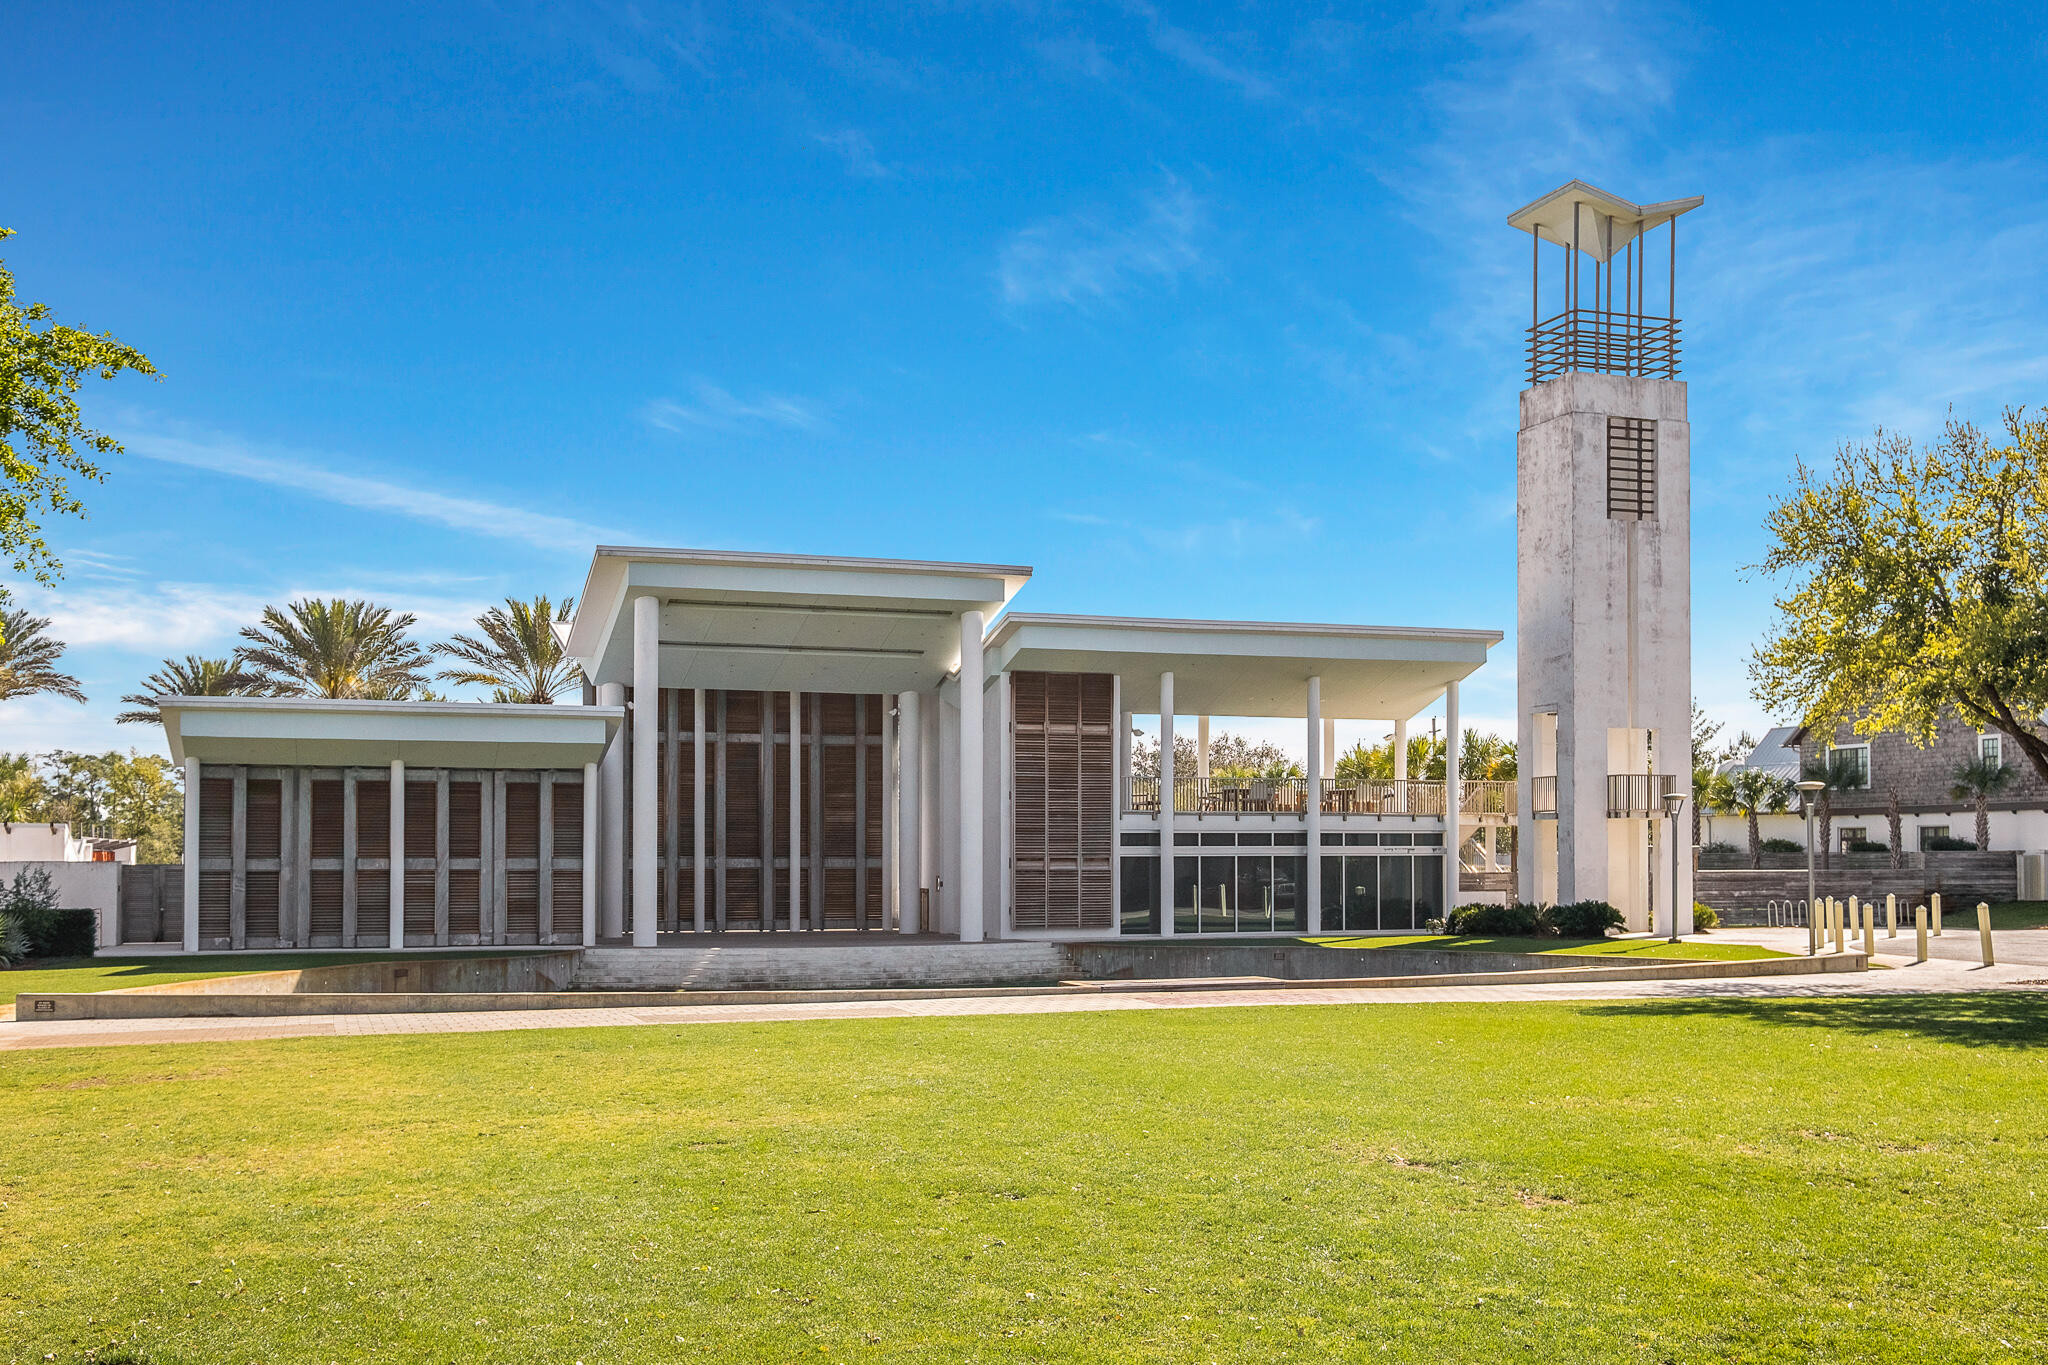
{"x": 1870, "y": 929}
{"x": 1920, "y": 933}
{"x": 1984, "y": 931}
{"x": 1835, "y": 923}
{"x": 1891, "y": 915}
{"x": 1935, "y": 912}
{"x": 1855, "y": 918}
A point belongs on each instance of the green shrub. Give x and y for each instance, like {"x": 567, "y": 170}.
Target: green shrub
{"x": 31, "y": 903}
{"x": 1585, "y": 919}
{"x": 1500, "y": 921}
{"x": 1942, "y": 843}
{"x": 1868, "y": 846}
{"x": 1721, "y": 846}
{"x": 1782, "y": 846}
{"x": 13, "y": 941}
{"x": 1704, "y": 918}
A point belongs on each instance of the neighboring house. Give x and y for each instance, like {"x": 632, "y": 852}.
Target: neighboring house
{"x": 1891, "y": 763}
{"x": 85, "y": 870}
{"x": 54, "y": 842}
{"x": 1778, "y": 755}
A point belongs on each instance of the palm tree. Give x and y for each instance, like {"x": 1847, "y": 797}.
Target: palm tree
{"x": 1709, "y": 793}
{"x": 519, "y": 657}
{"x": 1836, "y": 772}
{"x": 1979, "y": 780}
{"x": 1753, "y": 791}
{"x": 28, "y": 658}
{"x": 336, "y": 648}
{"x": 196, "y": 677}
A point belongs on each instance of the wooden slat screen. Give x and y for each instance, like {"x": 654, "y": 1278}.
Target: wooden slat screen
{"x": 464, "y": 915}
{"x": 327, "y": 824}
{"x": 325, "y": 888}
{"x": 264, "y": 814}
{"x": 522, "y": 819}
{"x": 420, "y": 818}
{"x": 213, "y": 903}
{"x": 216, "y": 817}
{"x": 465, "y": 819}
{"x": 1063, "y": 757}
{"x": 568, "y": 808}
{"x": 373, "y": 820}
{"x": 419, "y": 889}
{"x": 259, "y": 907}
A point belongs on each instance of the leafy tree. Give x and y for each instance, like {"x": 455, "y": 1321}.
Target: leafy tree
{"x": 42, "y": 364}
{"x": 28, "y": 657}
{"x": 1917, "y": 584}
{"x": 1233, "y": 756}
{"x": 1375, "y": 762}
{"x": 22, "y": 792}
{"x": 336, "y": 648}
{"x": 519, "y": 657}
{"x": 1753, "y": 791}
{"x": 1486, "y": 757}
{"x": 1836, "y": 772}
{"x": 195, "y": 677}
{"x": 139, "y": 796}
{"x": 1979, "y": 780}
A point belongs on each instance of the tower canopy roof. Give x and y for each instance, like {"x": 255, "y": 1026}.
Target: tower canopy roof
{"x": 1598, "y": 223}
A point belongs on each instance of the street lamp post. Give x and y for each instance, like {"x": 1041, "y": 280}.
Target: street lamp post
{"x": 1807, "y": 791}
{"x": 1674, "y": 802}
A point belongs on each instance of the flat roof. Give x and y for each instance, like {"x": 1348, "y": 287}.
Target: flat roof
{"x": 1578, "y": 214}
{"x": 774, "y": 622}
{"x": 328, "y": 732}
{"x": 1248, "y": 668}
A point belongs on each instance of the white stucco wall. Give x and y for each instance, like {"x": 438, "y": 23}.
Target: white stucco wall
{"x": 80, "y": 886}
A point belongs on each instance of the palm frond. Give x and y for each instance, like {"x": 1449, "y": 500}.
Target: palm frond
{"x": 518, "y": 655}
{"x": 28, "y": 658}
{"x": 335, "y": 648}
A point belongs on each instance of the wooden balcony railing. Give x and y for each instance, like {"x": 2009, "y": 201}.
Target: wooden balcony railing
{"x": 1289, "y": 796}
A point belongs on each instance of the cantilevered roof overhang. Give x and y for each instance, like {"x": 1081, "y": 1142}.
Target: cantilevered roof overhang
{"x": 1247, "y": 668}
{"x": 325, "y": 733}
{"x": 1596, "y": 222}
{"x": 776, "y": 622}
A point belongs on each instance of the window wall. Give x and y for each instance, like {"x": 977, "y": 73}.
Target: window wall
{"x": 1382, "y": 882}
{"x": 1256, "y": 883}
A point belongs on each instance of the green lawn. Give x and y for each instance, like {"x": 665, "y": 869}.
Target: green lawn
{"x": 2005, "y": 915}
{"x": 117, "y": 973}
{"x": 1608, "y": 947}
{"x": 1657, "y": 1181}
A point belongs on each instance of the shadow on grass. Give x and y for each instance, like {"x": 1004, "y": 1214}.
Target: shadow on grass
{"x": 2015, "y": 1019}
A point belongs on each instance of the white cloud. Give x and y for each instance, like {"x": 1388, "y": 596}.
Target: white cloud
{"x": 715, "y": 409}
{"x": 301, "y": 472}
{"x": 1087, "y": 258}
{"x": 857, "y": 152}
{"x": 174, "y": 619}
{"x": 1199, "y": 57}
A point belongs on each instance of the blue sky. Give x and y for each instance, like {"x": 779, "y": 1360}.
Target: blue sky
{"x": 1200, "y": 311}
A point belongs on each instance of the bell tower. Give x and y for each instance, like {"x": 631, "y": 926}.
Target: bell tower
{"x": 1603, "y": 518}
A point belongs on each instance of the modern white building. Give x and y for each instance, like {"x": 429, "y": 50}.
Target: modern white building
{"x": 782, "y": 744}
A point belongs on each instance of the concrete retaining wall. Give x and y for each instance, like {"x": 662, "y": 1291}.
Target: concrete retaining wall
{"x": 1961, "y": 878}
{"x": 456, "y": 976}
{"x": 1297, "y": 961}
{"x": 817, "y": 966}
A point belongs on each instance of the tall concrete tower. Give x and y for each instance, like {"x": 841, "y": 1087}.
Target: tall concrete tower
{"x": 1603, "y": 562}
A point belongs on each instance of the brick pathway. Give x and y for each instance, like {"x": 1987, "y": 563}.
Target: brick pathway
{"x": 1907, "y": 977}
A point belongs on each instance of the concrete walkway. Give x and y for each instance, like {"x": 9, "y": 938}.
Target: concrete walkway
{"x": 1933, "y": 977}
{"x": 1958, "y": 941}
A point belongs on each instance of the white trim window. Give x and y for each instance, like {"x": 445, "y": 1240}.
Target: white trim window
{"x": 1991, "y": 748}
{"x": 1859, "y": 758}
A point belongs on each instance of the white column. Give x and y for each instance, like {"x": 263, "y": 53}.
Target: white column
{"x": 1400, "y": 764}
{"x": 1454, "y": 751}
{"x": 611, "y": 922}
{"x": 972, "y": 745}
{"x": 699, "y": 856}
{"x": 796, "y": 811}
{"x": 910, "y": 793}
{"x": 646, "y": 799}
{"x": 397, "y": 853}
{"x": 191, "y": 855}
{"x": 892, "y": 838}
{"x": 1202, "y": 750}
{"x": 1166, "y": 803}
{"x": 590, "y": 846}
{"x": 1329, "y": 770}
{"x": 1314, "y": 889}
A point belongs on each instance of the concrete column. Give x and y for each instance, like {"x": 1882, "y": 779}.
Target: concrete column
{"x": 1314, "y": 889}
{"x": 796, "y": 811}
{"x": 910, "y": 793}
{"x": 973, "y": 745}
{"x": 892, "y": 838}
{"x": 590, "y": 846}
{"x": 699, "y": 857}
{"x": 1329, "y": 770}
{"x": 1166, "y": 803}
{"x": 1202, "y": 750}
{"x": 1454, "y": 749}
{"x": 646, "y": 720}
{"x": 1400, "y": 764}
{"x": 398, "y": 853}
{"x": 191, "y": 944}
{"x": 611, "y": 918}
{"x": 931, "y": 783}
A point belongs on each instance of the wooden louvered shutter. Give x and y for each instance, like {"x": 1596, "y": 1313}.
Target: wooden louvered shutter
{"x": 1097, "y": 823}
{"x": 1027, "y": 709}
{"x": 1063, "y": 774}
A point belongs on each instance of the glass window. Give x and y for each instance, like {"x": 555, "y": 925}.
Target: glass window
{"x": 1362, "y": 840}
{"x": 1218, "y": 840}
{"x": 1254, "y": 840}
{"x": 1361, "y": 894}
{"x": 1856, "y": 757}
{"x": 1429, "y": 841}
{"x": 1139, "y": 895}
{"x": 1255, "y": 895}
{"x": 1218, "y": 905}
{"x": 1140, "y": 840}
{"x": 1429, "y": 890}
{"x": 1186, "y": 840}
{"x": 1329, "y": 839}
{"x": 1333, "y": 892}
{"x": 1397, "y": 838}
{"x": 1991, "y": 748}
{"x": 1853, "y": 834}
{"x": 1288, "y": 906}
{"x": 1187, "y": 877}
{"x": 1297, "y": 840}
{"x": 1928, "y": 832}
{"x": 1397, "y": 893}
